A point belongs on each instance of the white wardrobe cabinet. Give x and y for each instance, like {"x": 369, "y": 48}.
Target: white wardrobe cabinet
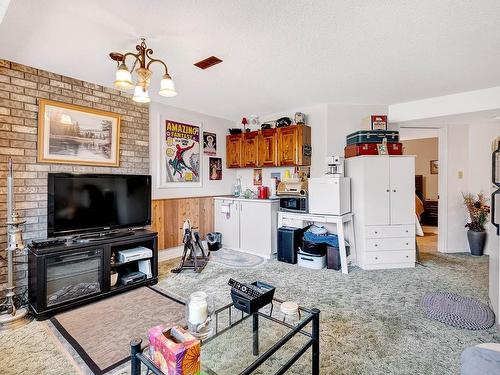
{"x": 250, "y": 226}
{"x": 383, "y": 203}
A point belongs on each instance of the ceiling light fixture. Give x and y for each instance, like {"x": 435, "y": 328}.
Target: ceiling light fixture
{"x": 123, "y": 76}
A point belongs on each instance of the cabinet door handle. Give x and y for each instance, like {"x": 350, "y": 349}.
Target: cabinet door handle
{"x": 407, "y": 244}
{"x": 376, "y": 245}
{"x": 394, "y": 191}
{"x": 376, "y": 232}
{"x": 388, "y": 190}
{"x": 406, "y": 231}
{"x": 407, "y": 256}
{"x": 376, "y": 258}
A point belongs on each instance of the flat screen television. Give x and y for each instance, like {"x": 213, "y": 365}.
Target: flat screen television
{"x": 79, "y": 203}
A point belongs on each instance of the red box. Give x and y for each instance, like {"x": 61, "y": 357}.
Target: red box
{"x": 357, "y": 149}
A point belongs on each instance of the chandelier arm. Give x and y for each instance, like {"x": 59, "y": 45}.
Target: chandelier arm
{"x": 136, "y": 55}
{"x": 159, "y": 61}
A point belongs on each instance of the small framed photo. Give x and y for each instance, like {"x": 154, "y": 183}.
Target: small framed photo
{"x": 257, "y": 176}
{"x": 434, "y": 165}
{"x": 71, "y": 134}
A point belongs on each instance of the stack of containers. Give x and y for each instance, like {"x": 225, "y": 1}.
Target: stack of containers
{"x": 364, "y": 142}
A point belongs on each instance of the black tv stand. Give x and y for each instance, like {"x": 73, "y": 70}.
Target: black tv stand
{"x": 91, "y": 237}
{"x": 72, "y": 274}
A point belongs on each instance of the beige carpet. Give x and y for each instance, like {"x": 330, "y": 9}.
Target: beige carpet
{"x": 101, "y": 332}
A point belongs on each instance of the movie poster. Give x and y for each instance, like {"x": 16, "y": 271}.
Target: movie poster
{"x": 209, "y": 143}
{"x": 215, "y": 165}
{"x": 182, "y": 152}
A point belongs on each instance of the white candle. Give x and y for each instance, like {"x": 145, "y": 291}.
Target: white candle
{"x": 198, "y": 308}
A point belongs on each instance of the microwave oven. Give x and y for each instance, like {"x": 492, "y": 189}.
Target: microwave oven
{"x": 294, "y": 204}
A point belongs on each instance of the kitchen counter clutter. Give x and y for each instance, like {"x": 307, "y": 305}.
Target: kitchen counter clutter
{"x": 248, "y": 225}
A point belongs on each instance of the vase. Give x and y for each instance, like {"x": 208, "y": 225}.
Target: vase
{"x": 476, "y": 242}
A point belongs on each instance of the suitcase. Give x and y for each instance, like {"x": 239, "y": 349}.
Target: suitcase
{"x": 372, "y": 136}
{"x": 371, "y": 149}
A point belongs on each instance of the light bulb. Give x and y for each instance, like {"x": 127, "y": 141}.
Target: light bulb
{"x": 141, "y": 95}
{"x": 167, "y": 87}
{"x": 123, "y": 78}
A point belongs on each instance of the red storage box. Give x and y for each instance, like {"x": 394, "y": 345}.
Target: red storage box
{"x": 358, "y": 149}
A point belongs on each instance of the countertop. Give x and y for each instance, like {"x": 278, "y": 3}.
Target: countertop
{"x": 231, "y": 197}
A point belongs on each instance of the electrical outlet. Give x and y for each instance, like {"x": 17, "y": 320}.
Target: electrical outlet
{"x": 460, "y": 175}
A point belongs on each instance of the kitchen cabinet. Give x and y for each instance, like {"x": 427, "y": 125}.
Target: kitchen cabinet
{"x": 383, "y": 203}
{"x": 268, "y": 148}
{"x": 251, "y": 225}
{"x": 234, "y": 151}
{"x": 251, "y": 149}
{"x": 287, "y": 146}
{"x": 294, "y": 145}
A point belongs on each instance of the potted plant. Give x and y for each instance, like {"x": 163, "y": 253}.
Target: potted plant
{"x": 478, "y": 213}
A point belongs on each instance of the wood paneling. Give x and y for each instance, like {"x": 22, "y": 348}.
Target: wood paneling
{"x": 169, "y": 215}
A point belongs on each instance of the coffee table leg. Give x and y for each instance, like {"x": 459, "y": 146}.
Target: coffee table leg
{"x": 255, "y": 334}
{"x": 315, "y": 345}
{"x": 135, "y": 363}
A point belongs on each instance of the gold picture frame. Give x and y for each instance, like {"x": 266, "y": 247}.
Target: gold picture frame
{"x": 72, "y": 134}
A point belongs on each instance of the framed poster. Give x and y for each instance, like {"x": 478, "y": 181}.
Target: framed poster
{"x": 215, "y": 168}
{"x": 257, "y": 176}
{"x": 71, "y": 134}
{"x": 209, "y": 143}
{"x": 180, "y": 155}
{"x": 434, "y": 166}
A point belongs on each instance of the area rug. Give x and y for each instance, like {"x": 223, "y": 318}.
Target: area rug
{"x": 235, "y": 259}
{"x": 101, "y": 332}
{"x": 457, "y": 311}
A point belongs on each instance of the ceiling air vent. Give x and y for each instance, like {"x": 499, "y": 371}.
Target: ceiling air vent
{"x": 208, "y": 62}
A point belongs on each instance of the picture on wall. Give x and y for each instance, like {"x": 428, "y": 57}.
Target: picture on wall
{"x": 215, "y": 168}
{"x": 257, "y": 176}
{"x": 71, "y": 134}
{"x": 182, "y": 152}
{"x": 434, "y": 165}
{"x": 209, "y": 143}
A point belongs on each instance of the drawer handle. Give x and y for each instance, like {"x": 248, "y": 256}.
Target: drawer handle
{"x": 388, "y": 191}
{"x": 376, "y": 232}
{"x": 376, "y": 245}
{"x": 394, "y": 191}
{"x": 406, "y": 231}
{"x": 376, "y": 258}
{"x": 407, "y": 256}
{"x": 407, "y": 244}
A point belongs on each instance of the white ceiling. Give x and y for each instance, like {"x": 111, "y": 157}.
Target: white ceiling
{"x": 277, "y": 54}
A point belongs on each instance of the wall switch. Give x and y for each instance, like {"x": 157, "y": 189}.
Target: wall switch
{"x": 460, "y": 175}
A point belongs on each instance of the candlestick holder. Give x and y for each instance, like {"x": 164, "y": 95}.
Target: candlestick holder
{"x": 199, "y": 310}
{"x": 11, "y": 316}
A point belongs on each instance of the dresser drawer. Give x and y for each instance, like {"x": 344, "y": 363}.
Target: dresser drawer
{"x": 385, "y": 244}
{"x": 388, "y": 257}
{"x": 389, "y": 231}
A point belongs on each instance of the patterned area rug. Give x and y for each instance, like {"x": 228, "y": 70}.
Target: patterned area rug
{"x": 101, "y": 332}
{"x": 235, "y": 259}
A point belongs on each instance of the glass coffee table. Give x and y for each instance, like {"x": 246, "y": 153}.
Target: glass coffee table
{"x": 266, "y": 342}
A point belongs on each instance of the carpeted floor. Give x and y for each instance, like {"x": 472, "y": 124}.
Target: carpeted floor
{"x": 370, "y": 321}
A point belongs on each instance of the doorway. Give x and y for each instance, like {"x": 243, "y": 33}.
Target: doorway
{"x": 424, "y": 144}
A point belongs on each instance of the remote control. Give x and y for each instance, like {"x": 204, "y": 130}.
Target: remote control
{"x": 245, "y": 289}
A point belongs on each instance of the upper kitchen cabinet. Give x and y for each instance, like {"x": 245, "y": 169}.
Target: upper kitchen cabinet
{"x": 234, "y": 151}
{"x": 268, "y": 148}
{"x": 294, "y": 145}
{"x": 287, "y": 146}
{"x": 251, "y": 149}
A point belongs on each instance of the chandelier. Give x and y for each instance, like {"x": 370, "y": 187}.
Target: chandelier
{"x": 123, "y": 77}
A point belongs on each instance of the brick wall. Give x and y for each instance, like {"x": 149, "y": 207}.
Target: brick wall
{"x": 20, "y": 89}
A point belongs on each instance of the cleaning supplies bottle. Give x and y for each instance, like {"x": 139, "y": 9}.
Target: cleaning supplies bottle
{"x": 237, "y": 187}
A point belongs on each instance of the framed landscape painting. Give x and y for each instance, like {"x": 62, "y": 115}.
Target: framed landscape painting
{"x": 71, "y": 134}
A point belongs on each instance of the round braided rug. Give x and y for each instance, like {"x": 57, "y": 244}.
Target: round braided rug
{"x": 457, "y": 311}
